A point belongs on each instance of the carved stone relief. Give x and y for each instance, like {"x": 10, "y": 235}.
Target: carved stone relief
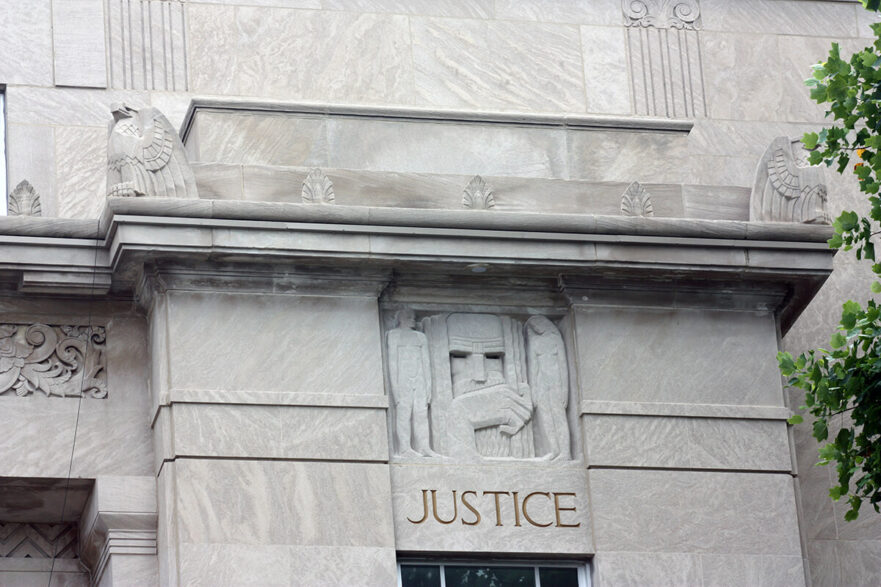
{"x": 21, "y": 540}
{"x": 787, "y": 188}
{"x": 24, "y": 201}
{"x": 145, "y": 156}
{"x": 665, "y": 57}
{"x": 470, "y": 386}
{"x": 64, "y": 361}
{"x": 317, "y": 188}
{"x": 478, "y": 195}
{"x": 636, "y": 201}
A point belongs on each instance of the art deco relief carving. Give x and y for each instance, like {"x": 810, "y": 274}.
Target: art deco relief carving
{"x": 24, "y": 201}
{"x": 636, "y": 201}
{"x": 64, "y": 361}
{"x": 787, "y": 188}
{"x": 470, "y": 386}
{"x": 21, "y": 540}
{"x": 317, "y": 188}
{"x": 145, "y": 156}
{"x": 665, "y": 57}
{"x": 478, "y": 195}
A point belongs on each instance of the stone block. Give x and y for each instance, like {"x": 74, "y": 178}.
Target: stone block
{"x": 606, "y": 82}
{"x": 80, "y": 171}
{"x": 479, "y": 64}
{"x": 696, "y": 512}
{"x": 78, "y": 43}
{"x": 26, "y": 43}
{"x": 482, "y": 521}
{"x": 289, "y": 432}
{"x": 789, "y": 17}
{"x": 446, "y": 8}
{"x": 264, "y": 139}
{"x": 737, "y": 80}
{"x": 638, "y": 569}
{"x": 688, "y": 443}
{"x": 426, "y": 147}
{"x": 299, "y": 55}
{"x": 592, "y": 12}
{"x": 758, "y": 570}
{"x": 275, "y": 343}
{"x": 655, "y": 356}
{"x": 627, "y": 157}
{"x": 283, "y": 503}
{"x": 715, "y": 202}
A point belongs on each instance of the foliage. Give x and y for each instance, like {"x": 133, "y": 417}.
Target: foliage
{"x": 843, "y": 385}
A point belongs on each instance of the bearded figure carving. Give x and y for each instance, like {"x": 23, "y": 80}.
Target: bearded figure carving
{"x": 145, "y": 156}
{"x": 497, "y": 388}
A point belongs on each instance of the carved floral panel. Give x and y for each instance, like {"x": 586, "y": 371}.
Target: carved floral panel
{"x": 63, "y": 361}
{"x": 475, "y": 386}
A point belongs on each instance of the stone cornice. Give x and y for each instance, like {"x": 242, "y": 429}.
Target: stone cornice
{"x": 789, "y": 261}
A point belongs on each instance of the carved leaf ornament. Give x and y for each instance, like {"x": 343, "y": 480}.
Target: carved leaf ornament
{"x": 478, "y": 195}
{"x": 636, "y": 201}
{"x": 64, "y": 361}
{"x": 24, "y": 201}
{"x": 317, "y": 188}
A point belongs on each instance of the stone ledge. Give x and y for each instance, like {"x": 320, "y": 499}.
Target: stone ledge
{"x": 615, "y": 408}
{"x": 579, "y": 121}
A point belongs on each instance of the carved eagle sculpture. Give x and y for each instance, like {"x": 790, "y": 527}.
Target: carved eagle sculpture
{"x": 145, "y": 156}
{"x": 787, "y": 189}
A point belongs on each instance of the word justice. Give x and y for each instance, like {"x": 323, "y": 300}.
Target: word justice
{"x": 525, "y": 507}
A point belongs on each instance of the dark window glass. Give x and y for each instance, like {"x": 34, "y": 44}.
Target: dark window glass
{"x": 420, "y": 576}
{"x": 558, "y": 577}
{"x": 467, "y": 576}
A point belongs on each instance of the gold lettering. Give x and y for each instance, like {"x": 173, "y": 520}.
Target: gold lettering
{"x": 496, "y": 494}
{"x": 526, "y": 514}
{"x": 516, "y": 508}
{"x": 470, "y": 507}
{"x": 558, "y": 509}
{"x": 434, "y": 508}
{"x": 425, "y": 508}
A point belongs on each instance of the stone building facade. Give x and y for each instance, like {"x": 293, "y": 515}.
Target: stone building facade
{"x": 365, "y": 292}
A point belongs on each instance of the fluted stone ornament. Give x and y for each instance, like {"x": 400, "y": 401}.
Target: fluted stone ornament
{"x": 145, "y": 156}
{"x": 317, "y": 188}
{"x": 24, "y": 201}
{"x": 492, "y": 387}
{"x": 787, "y": 188}
{"x": 636, "y": 201}
{"x": 478, "y": 195}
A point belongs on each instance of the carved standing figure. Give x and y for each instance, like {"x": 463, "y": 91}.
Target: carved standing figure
{"x": 549, "y": 381}
{"x": 410, "y": 379}
{"x": 787, "y": 189}
{"x": 145, "y": 156}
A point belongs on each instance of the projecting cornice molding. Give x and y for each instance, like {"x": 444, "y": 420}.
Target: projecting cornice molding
{"x": 792, "y": 260}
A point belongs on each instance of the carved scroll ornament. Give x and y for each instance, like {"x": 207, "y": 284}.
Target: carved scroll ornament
{"x": 479, "y": 386}
{"x": 63, "y": 361}
{"x": 662, "y": 14}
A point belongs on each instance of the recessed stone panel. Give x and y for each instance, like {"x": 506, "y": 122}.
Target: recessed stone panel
{"x": 529, "y": 508}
